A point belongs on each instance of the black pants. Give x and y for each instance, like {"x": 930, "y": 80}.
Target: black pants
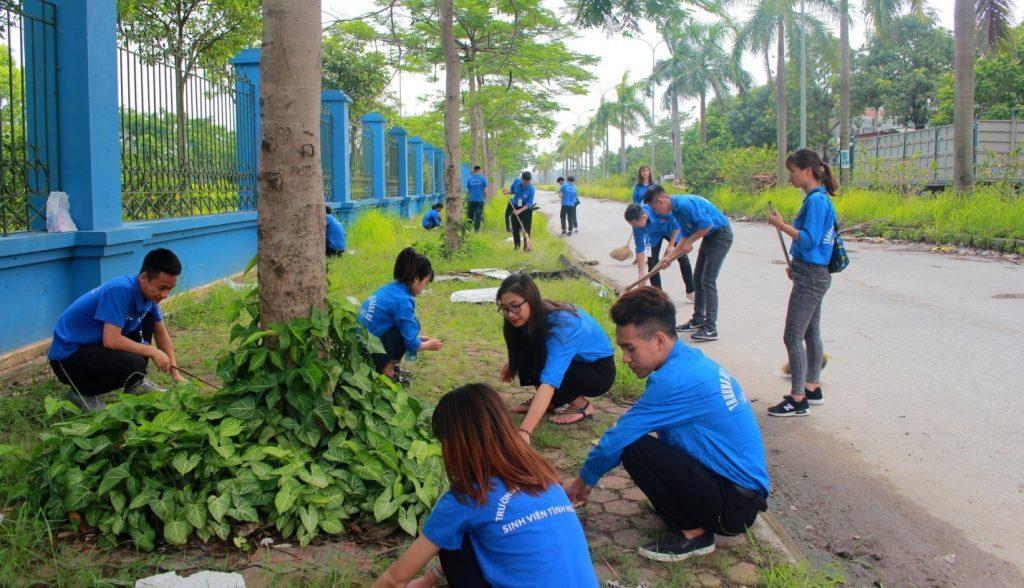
{"x": 508, "y": 216}
{"x": 575, "y": 219}
{"x": 566, "y": 216}
{"x": 710, "y": 257}
{"x": 588, "y": 379}
{"x": 684, "y": 268}
{"x": 526, "y": 219}
{"x": 94, "y": 369}
{"x": 476, "y": 214}
{"x": 461, "y": 567}
{"x": 685, "y": 493}
{"x": 394, "y": 349}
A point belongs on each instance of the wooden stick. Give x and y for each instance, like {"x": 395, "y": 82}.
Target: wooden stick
{"x": 526, "y": 236}
{"x": 191, "y": 375}
{"x": 667, "y": 260}
{"x": 782, "y": 242}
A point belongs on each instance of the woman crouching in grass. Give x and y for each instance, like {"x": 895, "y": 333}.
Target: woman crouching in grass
{"x": 556, "y": 347}
{"x": 506, "y": 520}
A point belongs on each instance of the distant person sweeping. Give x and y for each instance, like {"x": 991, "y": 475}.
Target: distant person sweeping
{"x": 567, "y": 214}
{"x": 390, "y": 313}
{"x": 650, "y": 230}
{"x": 522, "y": 195}
{"x": 813, "y": 231}
{"x": 102, "y": 342}
{"x": 476, "y": 187}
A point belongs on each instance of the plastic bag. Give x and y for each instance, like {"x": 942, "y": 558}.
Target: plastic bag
{"x": 58, "y": 214}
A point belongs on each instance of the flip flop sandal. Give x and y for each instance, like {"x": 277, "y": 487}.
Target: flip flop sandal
{"x": 524, "y": 407}
{"x": 574, "y": 410}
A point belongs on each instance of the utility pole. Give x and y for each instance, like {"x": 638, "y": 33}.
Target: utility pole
{"x": 803, "y": 77}
{"x": 650, "y": 86}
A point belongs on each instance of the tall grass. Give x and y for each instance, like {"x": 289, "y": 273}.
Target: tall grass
{"x": 989, "y": 217}
{"x": 618, "y": 187}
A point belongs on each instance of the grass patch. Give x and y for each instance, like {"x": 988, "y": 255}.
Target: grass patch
{"x": 618, "y": 187}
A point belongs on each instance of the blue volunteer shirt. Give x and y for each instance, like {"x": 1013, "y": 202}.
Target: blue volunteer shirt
{"x": 694, "y": 213}
{"x": 336, "y": 239}
{"x": 431, "y": 219}
{"x": 519, "y": 539}
{"x": 475, "y": 185}
{"x": 657, "y": 228}
{"x": 816, "y": 223}
{"x": 392, "y": 306}
{"x": 521, "y": 195}
{"x": 695, "y": 405}
{"x": 568, "y": 192}
{"x": 118, "y": 302}
{"x": 572, "y": 337}
{"x": 638, "y": 193}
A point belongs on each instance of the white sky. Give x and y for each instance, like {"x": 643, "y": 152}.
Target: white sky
{"x": 617, "y": 54}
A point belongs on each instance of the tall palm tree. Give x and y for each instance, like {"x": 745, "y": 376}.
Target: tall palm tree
{"x": 627, "y": 112}
{"x": 995, "y": 22}
{"x": 602, "y": 120}
{"x": 773, "y": 20}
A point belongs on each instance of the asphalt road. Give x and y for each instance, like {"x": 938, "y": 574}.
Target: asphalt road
{"x": 913, "y": 470}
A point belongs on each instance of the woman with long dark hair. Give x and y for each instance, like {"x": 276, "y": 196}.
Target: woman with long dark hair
{"x": 643, "y": 182}
{"x": 390, "y": 313}
{"x": 813, "y": 232}
{"x": 555, "y": 347}
{"x": 506, "y": 520}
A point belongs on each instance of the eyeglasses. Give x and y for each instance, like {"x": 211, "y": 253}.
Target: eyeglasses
{"x": 512, "y": 308}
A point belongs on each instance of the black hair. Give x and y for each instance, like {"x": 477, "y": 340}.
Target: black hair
{"x": 640, "y": 178}
{"x": 559, "y": 179}
{"x": 809, "y": 158}
{"x": 160, "y": 261}
{"x": 648, "y": 309}
{"x": 571, "y": 178}
{"x": 477, "y": 168}
{"x": 535, "y": 332}
{"x": 652, "y": 193}
{"x": 327, "y": 208}
{"x": 634, "y": 212}
{"x": 527, "y": 175}
{"x": 411, "y": 266}
{"x": 437, "y": 206}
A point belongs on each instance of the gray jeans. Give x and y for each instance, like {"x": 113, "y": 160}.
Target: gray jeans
{"x": 710, "y": 258}
{"x": 803, "y": 323}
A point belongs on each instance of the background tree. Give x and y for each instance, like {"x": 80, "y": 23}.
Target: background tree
{"x": 998, "y": 80}
{"x": 354, "y": 61}
{"x": 627, "y": 112}
{"x": 452, "y": 130}
{"x": 290, "y": 214}
{"x": 963, "y": 92}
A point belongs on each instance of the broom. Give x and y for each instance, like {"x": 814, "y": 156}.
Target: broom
{"x": 782, "y": 242}
{"x": 621, "y": 253}
{"x": 667, "y": 260}
{"x": 527, "y": 242}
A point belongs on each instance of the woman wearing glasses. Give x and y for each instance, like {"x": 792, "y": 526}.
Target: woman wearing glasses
{"x": 555, "y": 347}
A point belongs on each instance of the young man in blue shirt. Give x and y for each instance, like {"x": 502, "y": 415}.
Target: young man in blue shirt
{"x": 649, "y": 231}
{"x": 567, "y": 191}
{"x": 700, "y": 221}
{"x": 476, "y": 186}
{"x": 102, "y": 341}
{"x": 521, "y": 205}
{"x": 705, "y": 472}
{"x": 336, "y": 238}
{"x": 433, "y": 218}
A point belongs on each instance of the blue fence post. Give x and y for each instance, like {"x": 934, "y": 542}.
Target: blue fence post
{"x": 402, "y": 141}
{"x": 374, "y": 122}
{"x": 418, "y": 148}
{"x": 87, "y": 113}
{"x": 341, "y": 177}
{"x": 247, "y": 124}
{"x": 40, "y": 52}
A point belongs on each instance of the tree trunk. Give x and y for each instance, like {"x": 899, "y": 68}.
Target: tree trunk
{"x": 780, "y": 100}
{"x": 844, "y": 86}
{"x": 677, "y": 149}
{"x": 290, "y": 220}
{"x": 489, "y": 170}
{"x": 703, "y": 119}
{"x": 622, "y": 151}
{"x": 452, "y": 129}
{"x": 768, "y": 67}
{"x": 607, "y": 153}
{"x": 474, "y": 122}
{"x": 181, "y": 119}
{"x": 963, "y": 90}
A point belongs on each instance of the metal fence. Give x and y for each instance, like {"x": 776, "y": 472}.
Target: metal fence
{"x": 410, "y": 170}
{"x": 361, "y": 167}
{"x": 391, "y": 167}
{"x": 327, "y": 150}
{"x": 179, "y": 141}
{"x": 29, "y": 133}
{"x": 428, "y": 174}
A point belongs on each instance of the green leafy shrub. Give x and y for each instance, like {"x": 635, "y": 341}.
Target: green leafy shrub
{"x": 302, "y": 439}
{"x": 738, "y": 167}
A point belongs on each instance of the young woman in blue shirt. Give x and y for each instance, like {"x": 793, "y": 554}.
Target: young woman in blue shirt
{"x": 555, "y": 347}
{"x": 813, "y": 232}
{"x": 486, "y": 530}
{"x": 390, "y": 312}
{"x": 643, "y": 181}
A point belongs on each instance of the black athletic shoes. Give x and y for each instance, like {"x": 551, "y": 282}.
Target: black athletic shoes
{"x": 690, "y": 325}
{"x": 677, "y": 547}
{"x": 814, "y": 397}
{"x": 789, "y": 407}
{"x": 705, "y": 333}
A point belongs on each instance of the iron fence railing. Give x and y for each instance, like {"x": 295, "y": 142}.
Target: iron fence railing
{"x": 29, "y": 131}
{"x": 327, "y": 150}
{"x": 361, "y": 167}
{"x": 179, "y": 142}
{"x": 410, "y": 170}
{"x": 428, "y": 175}
{"x": 391, "y": 167}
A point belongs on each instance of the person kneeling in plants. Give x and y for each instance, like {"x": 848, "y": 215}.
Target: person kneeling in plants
{"x": 705, "y": 472}
{"x": 505, "y": 521}
{"x": 390, "y": 314}
{"x": 432, "y": 219}
{"x": 102, "y": 341}
{"x": 336, "y": 239}
{"x": 557, "y": 348}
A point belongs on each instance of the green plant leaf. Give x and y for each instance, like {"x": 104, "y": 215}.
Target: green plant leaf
{"x": 217, "y": 506}
{"x": 230, "y": 427}
{"x": 286, "y": 495}
{"x": 113, "y": 477}
{"x": 176, "y": 531}
{"x": 407, "y": 521}
{"x": 256, "y": 337}
{"x": 383, "y": 507}
{"x": 185, "y": 463}
{"x": 310, "y": 518}
{"x": 243, "y": 408}
{"x": 195, "y": 514}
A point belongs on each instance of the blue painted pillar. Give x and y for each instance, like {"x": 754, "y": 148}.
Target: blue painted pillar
{"x": 247, "y": 124}
{"x": 374, "y": 122}
{"x": 401, "y": 138}
{"x": 418, "y": 147}
{"x": 87, "y": 112}
{"x": 40, "y": 52}
{"x": 337, "y": 103}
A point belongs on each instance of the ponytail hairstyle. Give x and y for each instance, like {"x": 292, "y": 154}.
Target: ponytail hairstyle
{"x": 640, "y": 176}
{"x": 809, "y": 159}
{"x": 411, "y": 266}
{"x": 535, "y": 332}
